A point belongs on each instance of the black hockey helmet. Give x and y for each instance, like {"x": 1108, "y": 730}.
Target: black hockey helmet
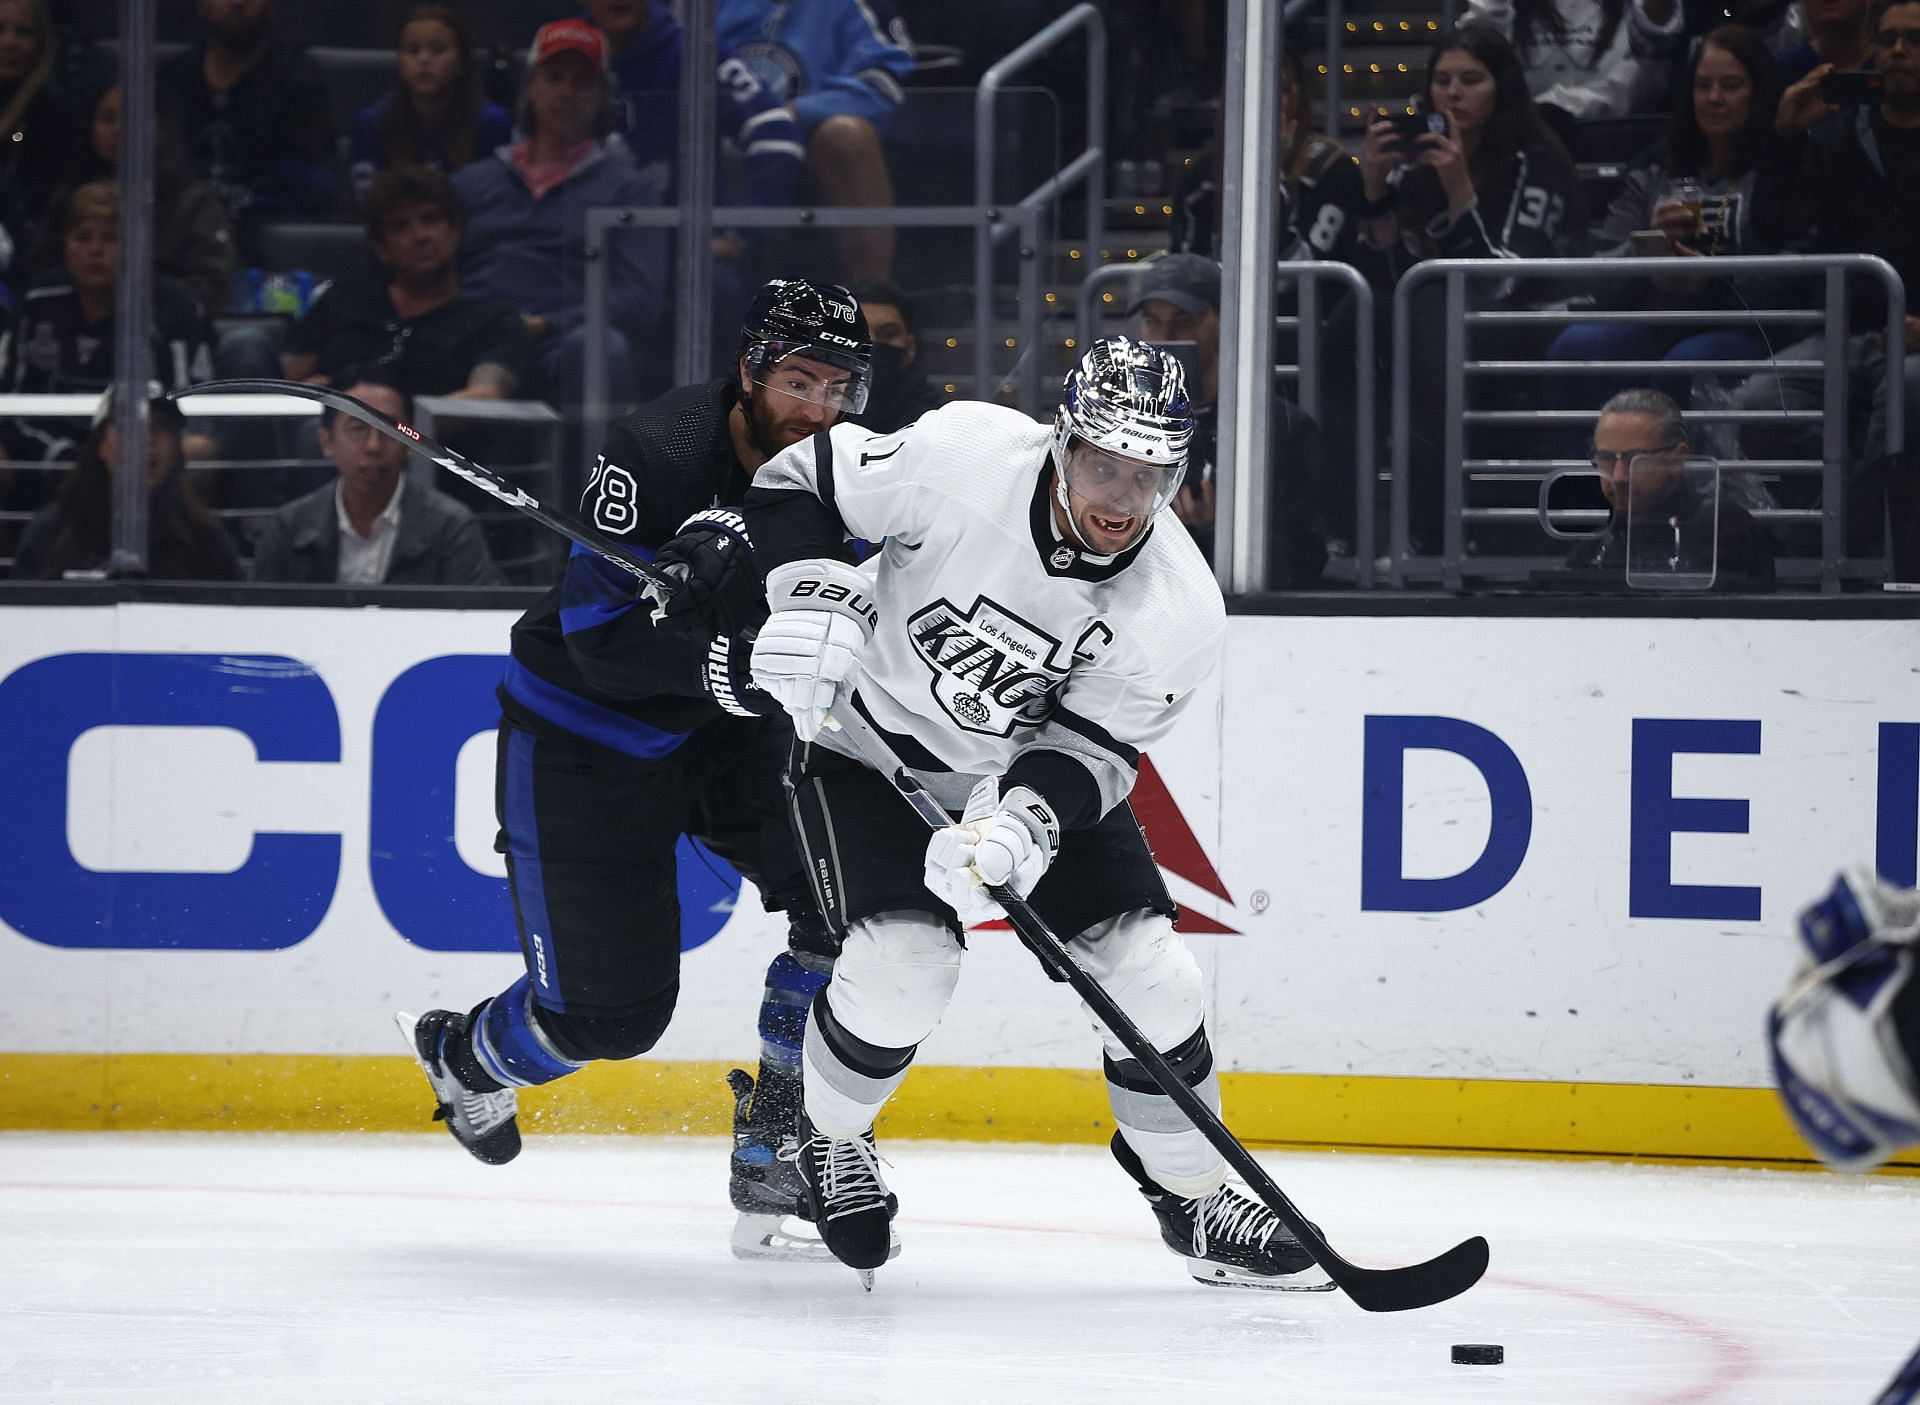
{"x": 816, "y": 321}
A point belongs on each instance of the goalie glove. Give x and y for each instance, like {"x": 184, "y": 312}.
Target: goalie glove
{"x": 1843, "y": 1064}
{"x": 1001, "y": 841}
{"x": 809, "y": 650}
{"x": 719, "y": 587}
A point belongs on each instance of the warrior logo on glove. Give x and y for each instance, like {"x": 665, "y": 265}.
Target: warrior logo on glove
{"x": 992, "y": 671}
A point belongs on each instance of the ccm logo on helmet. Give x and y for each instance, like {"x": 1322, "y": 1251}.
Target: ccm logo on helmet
{"x": 835, "y": 594}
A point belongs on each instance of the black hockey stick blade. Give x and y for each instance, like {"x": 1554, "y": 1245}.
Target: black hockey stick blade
{"x": 1373, "y": 1289}
{"x": 657, "y": 584}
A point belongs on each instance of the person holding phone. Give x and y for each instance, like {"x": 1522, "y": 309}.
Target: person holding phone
{"x": 1847, "y": 181}
{"x": 1690, "y": 197}
{"x": 1495, "y": 184}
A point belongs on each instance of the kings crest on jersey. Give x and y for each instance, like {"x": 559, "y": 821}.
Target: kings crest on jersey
{"x": 995, "y": 636}
{"x": 992, "y": 671}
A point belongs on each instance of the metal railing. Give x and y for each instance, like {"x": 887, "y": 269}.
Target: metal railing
{"x": 1306, "y": 322}
{"x": 1452, "y": 562}
{"x": 1088, "y": 168}
{"x": 606, "y": 222}
{"x": 542, "y": 470}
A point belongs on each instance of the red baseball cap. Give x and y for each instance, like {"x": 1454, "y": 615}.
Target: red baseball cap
{"x": 569, "y": 37}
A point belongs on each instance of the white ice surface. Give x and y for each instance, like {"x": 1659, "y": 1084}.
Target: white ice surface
{"x": 349, "y": 1269}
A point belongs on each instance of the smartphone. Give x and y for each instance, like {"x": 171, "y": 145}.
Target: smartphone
{"x": 1853, "y": 87}
{"x": 1411, "y": 126}
{"x": 1651, "y": 241}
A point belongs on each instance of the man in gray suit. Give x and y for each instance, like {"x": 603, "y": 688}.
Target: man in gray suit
{"x": 373, "y": 525}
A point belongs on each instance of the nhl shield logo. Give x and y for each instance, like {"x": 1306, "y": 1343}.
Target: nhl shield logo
{"x": 1062, "y": 557}
{"x": 992, "y": 670}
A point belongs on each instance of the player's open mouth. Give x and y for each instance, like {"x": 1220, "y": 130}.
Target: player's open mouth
{"x": 1112, "y": 526}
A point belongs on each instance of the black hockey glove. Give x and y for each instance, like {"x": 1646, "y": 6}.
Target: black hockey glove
{"x": 727, "y": 675}
{"x": 720, "y": 587}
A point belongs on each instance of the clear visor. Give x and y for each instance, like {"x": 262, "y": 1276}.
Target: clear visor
{"x": 819, "y": 376}
{"x": 1116, "y": 486}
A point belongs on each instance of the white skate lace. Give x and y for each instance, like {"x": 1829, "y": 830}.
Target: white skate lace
{"x": 1235, "y": 1218}
{"x": 482, "y": 1112}
{"x": 850, "y": 1177}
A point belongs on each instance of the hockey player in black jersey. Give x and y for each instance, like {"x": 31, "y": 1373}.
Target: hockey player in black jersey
{"x": 618, "y": 735}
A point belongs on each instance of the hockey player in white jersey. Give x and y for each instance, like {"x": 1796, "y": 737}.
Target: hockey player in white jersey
{"x": 1033, "y": 626}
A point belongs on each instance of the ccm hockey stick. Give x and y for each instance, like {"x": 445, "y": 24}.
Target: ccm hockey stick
{"x": 657, "y": 585}
{"x": 1374, "y": 1289}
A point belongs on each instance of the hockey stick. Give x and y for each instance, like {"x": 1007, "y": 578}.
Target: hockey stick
{"x": 1374, "y": 1289}
{"x": 657, "y": 585}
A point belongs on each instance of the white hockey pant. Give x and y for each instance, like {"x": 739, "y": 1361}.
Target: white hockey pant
{"x": 896, "y": 974}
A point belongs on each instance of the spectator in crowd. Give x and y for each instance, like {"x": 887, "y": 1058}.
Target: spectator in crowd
{"x": 184, "y": 542}
{"x": 1495, "y": 184}
{"x": 1662, "y": 525}
{"x": 527, "y": 216}
{"x": 415, "y": 323}
{"x": 375, "y": 524}
{"x": 191, "y": 233}
{"x": 1318, "y": 185}
{"x": 434, "y": 114}
{"x": 1179, "y": 308}
{"x": 838, "y": 65}
{"x": 254, "y": 115}
{"x": 901, "y": 392}
{"x": 1722, "y": 131}
{"x": 1582, "y": 58}
{"x": 36, "y": 129}
{"x": 646, "y": 43}
{"x": 1848, "y": 181}
{"x": 1839, "y": 34}
{"x": 63, "y": 341}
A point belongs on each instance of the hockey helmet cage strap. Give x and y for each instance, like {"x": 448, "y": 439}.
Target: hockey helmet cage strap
{"x": 815, "y": 321}
{"x": 1127, "y": 398}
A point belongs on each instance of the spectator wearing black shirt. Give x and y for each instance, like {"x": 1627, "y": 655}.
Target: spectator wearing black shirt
{"x": 1496, "y": 184}
{"x": 192, "y": 236}
{"x": 415, "y": 325}
{"x": 1664, "y": 529}
{"x": 36, "y": 129}
{"x": 434, "y": 114}
{"x": 254, "y": 115}
{"x": 184, "y": 542}
{"x": 375, "y": 524}
{"x": 901, "y": 392}
{"x": 1319, "y": 186}
{"x": 63, "y": 341}
{"x": 1848, "y": 181}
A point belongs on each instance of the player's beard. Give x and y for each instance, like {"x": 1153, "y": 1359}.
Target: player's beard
{"x": 763, "y": 434}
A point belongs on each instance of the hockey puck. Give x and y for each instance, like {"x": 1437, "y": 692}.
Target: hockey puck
{"x": 1478, "y": 1354}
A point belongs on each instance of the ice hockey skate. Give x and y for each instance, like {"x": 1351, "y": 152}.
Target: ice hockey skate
{"x": 848, "y": 1199}
{"x": 482, "y": 1122}
{"x": 765, "y": 1182}
{"x": 1228, "y": 1238}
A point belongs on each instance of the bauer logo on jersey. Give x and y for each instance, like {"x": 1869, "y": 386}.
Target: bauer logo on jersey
{"x": 992, "y": 671}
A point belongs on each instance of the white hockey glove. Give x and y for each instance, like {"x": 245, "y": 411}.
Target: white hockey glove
{"x": 1841, "y": 1059}
{"x": 1000, "y": 841}
{"x": 809, "y": 649}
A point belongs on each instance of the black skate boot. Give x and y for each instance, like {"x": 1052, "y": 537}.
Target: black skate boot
{"x": 764, "y": 1179}
{"x": 1228, "y": 1238}
{"x": 482, "y": 1122}
{"x": 848, "y": 1200}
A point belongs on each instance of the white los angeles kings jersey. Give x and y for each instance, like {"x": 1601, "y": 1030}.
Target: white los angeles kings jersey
{"x": 994, "y": 635}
